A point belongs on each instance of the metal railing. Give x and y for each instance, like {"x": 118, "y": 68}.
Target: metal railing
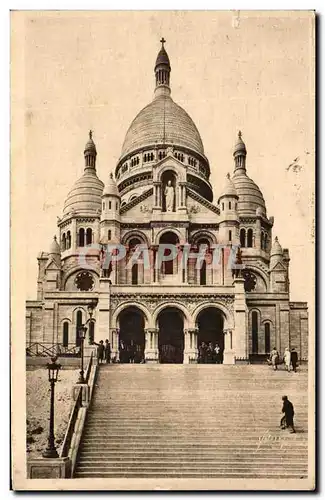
{"x": 48, "y": 350}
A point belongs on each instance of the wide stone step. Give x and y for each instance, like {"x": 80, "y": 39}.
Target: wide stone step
{"x": 193, "y": 475}
{"x": 187, "y": 468}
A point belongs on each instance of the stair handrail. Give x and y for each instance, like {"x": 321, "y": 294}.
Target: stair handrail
{"x": 71, "y": 424}
{"x": 78, "y": 413}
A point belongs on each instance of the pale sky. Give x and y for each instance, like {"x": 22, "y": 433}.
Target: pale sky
{"x": 230, "y": 70}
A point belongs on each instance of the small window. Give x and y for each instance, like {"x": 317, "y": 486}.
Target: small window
{"x": 68, "y": 241}
{"x": 250, "y": 238}
{"x": 254, "y": 332}
{"x": 103, "y": 205}
{"x": 89, "y": 236}
{"x": 230, "y": 236}
{"x": 65, "y": 339}
{"x": 81, "y": 237}
{"x": 117, "y": 205}
{"x": 230, "y": 205}
{"x": 109, "y": 205}
{"x": 109, "y": 234}
{"x": 78, "y": 325}
{"x": 223, "y": 206}
{"x": 267, "y": 338}
{"x": 63, "y": 242}
{"x": 242, "y": 238}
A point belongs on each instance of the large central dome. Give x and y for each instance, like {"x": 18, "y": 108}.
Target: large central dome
{"x": 162, "y": 122}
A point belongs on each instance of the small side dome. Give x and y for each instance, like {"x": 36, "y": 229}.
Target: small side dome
{"x": 90, "y": 145}
{"x": 259, "y": 211}
{"x": 110, "y": 188}
{"x": 229, "y": 188}
{"x": 54, "y": 248}
{"x": 276, "y": 248}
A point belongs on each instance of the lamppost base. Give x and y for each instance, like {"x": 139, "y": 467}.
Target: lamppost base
{"x": 81, "y": 379}
{"x": 50, "y": 453}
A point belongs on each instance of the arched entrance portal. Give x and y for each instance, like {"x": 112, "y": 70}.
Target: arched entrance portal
{"x": 131, "y": 337}
{"x": 210, "y": 323}
{"x": 171, "y": 336}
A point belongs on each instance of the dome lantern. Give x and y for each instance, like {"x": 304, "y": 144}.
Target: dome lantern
{"x": 240, "y": 153}
{"x": 162, "y": 71}
{"x": 90, "y": 153}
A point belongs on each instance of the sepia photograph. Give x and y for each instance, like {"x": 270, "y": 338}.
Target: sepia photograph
{"x": 163, "y": 250}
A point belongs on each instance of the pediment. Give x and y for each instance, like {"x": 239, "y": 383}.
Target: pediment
{"x": 140, "y": 209}
{"x": 278, "y": 267}
{"x": 52, "y": 265}
{"x": 198, "y": 206}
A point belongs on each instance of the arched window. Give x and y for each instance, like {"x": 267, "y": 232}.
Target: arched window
{"x": 63, "y": 242}
{"x": 203, "y": 273}
{"x": 254, "y": 332}
{"x": 265, "y": 242}
{"x": 223, "y": 206}
{"x": 91, "y": 332}
{"x": 68, "y": 241}
{"x": 78, "y": 325}
{"x": 134, "y": 277}
{"x": 230, "y": 205}
{"x": 250, "y": 238}
{"x": 151, "y": 156}
{"x": 267, "y": 338}
{"x": 65, "y": 337}
{"x": 109, "y": 234}
{"x": 103, "y": 205}
{"x": 81, "y": 237}
{"x": 242, "y": 238}
{"x": 116, "y": 205}
{"x": 229, "y": 236}
{"x": 109, "y": 205}
{"x": 89, "y": 236}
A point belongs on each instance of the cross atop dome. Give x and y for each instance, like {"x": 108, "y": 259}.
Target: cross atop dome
{"x": 162, "y": 41}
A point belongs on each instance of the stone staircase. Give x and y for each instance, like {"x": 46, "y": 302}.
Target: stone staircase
{"x": 195, "y": 421}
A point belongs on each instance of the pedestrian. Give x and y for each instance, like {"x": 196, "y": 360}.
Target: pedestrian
{"x": 287, "y": 419}
{"x": 274, "y": 357}
{"x": 202, "y": 353}
{"x": 100, "y": 351}
{"x": 287, "y": 359}
{"x": 107, "y": 351}
{"x": 217, "y": 351}
{"x": 210, "y": 353}
{"x": 294, "y": 359}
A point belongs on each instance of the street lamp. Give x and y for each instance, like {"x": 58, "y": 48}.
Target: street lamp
{"x": 82, "y": 336}
{"x": 53, "y": 371}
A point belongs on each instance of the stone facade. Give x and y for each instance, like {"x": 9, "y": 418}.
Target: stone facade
{"x": 246, "y": 311}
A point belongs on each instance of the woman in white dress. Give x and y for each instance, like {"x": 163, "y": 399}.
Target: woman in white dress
{"x": 287, "y": 359}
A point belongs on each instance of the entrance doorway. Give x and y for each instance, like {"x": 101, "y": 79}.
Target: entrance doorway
{"x": 131, "y": 337}
{"x": 171, "y": 336}
{"x": 210, "y": 323}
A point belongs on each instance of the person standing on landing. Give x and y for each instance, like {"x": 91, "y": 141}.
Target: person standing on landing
{"x": 274, "y": 357}
{"x": 287, "y": 359}
{"x": 294, "y": 359}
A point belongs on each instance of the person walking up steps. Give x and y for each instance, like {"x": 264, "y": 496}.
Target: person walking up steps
{"x": 100, "y": 351}
{"x": 287, "y": 419}
{"x": 107, "y": 351}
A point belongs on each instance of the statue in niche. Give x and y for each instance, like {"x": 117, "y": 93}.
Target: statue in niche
{"x": 169, "y": 197}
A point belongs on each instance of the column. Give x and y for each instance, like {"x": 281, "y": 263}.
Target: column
{"x": 73, "y": 234}
{"x": 115, "y": 343}
{"x": 240, "y": 333}
{"x": 151, "y": 345}
{"x": 181, "y": 197}
{"x": 228, "y": 353}
{"x": 190, "y": 345}
{"x": 153, "y": 274}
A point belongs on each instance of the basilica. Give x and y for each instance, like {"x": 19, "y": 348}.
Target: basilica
{"x": 161, "y": 303}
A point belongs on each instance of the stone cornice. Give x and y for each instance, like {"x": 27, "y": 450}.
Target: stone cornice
{"x": 202, "y": 200}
